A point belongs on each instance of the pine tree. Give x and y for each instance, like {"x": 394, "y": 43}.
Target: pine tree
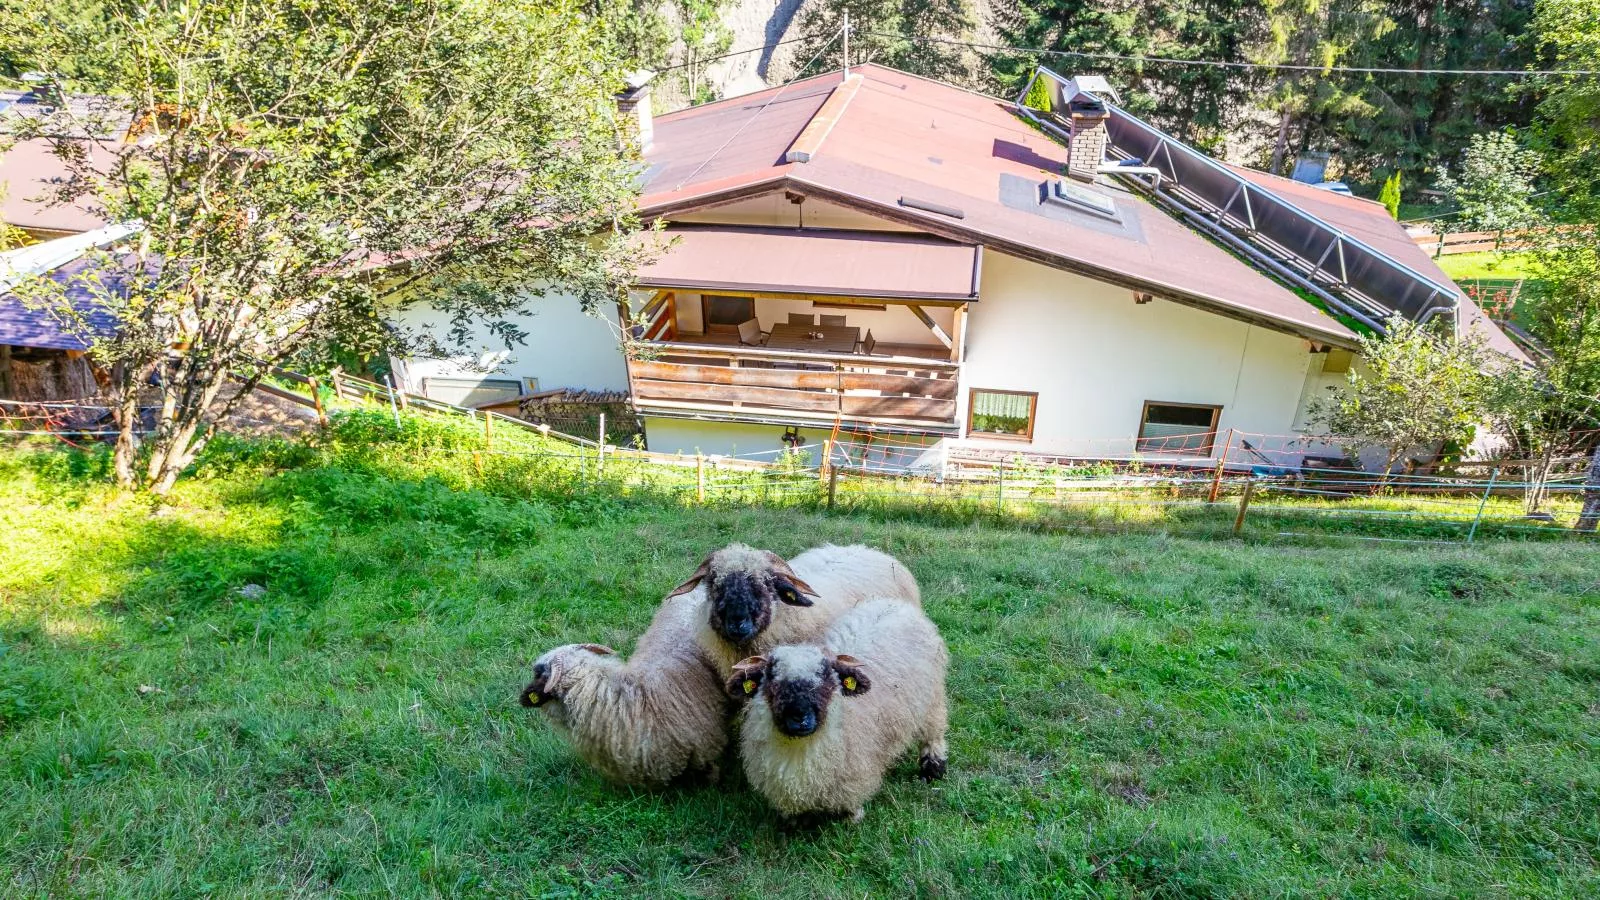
{"x": 1390, "y": 195}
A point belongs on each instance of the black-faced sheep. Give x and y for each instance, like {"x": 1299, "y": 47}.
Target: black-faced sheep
{"x": 755, "y": 600}
{"x": 649, "y": 720}
{"x": 825, "y": 722}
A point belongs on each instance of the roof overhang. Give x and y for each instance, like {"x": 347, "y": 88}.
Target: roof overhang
{"x": 817, "y": 261}
{"x": 664, "y": 207}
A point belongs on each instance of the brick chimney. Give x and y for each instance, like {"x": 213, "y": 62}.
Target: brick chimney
{"x": 634, "y": 105}
{"x": 1086, "y": 149}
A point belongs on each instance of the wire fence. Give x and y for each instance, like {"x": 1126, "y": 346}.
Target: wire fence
{"x": 1249, "y": 485}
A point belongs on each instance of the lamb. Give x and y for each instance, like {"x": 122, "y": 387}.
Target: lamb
{"x": 660, "y": 715}
{"x": 825, "y": 722}
{"x": 756, "y": 601}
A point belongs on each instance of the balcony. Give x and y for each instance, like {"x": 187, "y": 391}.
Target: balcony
{"x": 770, "y": 375}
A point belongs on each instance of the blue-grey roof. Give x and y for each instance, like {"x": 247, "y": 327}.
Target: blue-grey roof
{"x": 24, "y": 326}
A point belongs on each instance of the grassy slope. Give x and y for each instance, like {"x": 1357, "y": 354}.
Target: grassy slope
{"x": 1272, "y": 719}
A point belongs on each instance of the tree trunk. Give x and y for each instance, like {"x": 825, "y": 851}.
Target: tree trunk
{"x": 1590, "y": 516}
{"x": 1281, "y": 147}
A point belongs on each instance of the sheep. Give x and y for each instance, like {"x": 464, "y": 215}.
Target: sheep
{"x": 825, "y": 722}
{"x": 756, "y": 601}
{"x": 660, "y": 715}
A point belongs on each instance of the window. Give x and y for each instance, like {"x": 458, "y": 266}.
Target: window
{"x": 1001, "y": 414}
{"x": 727, "y": 313}
{"x": 1178, "y": 428}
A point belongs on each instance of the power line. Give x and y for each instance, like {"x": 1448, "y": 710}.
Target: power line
{"x": 1220, "y": 64}
{"x": 712, "y": 59}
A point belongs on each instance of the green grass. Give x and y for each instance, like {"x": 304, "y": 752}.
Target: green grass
{"x": 1492, "y": 266}
{"x": 1132, "y": 714}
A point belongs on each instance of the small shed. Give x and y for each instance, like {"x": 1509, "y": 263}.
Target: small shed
{"x": 43, "y": 354}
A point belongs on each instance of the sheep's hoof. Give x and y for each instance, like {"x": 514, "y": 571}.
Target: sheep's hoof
{"x": 931, "y": 768}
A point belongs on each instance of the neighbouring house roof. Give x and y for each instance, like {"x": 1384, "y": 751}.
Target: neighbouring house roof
{"x": 814, "y": 261}
{"x": 1370, "y": 222}
{"x": 62, "y": 260}
{"x": 31, "y": 175}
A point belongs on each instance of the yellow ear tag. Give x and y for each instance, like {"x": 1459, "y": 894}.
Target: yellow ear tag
{"x": 849, "y": 682}
{"x": 749, "y": 686}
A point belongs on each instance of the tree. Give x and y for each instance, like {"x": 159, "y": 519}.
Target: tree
{"x": 894, "y": 33}
{"x": 1569, "y": 33}
{"x": 300, "y": 166}
{"x": 1494, "y": 191}
{"x": 1390, "y": 195}
{"x": 1551, "y": 411}
{"x": 1414, "y": 389}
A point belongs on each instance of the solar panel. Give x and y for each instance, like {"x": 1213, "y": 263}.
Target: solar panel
{"x": 1358, "y": 279}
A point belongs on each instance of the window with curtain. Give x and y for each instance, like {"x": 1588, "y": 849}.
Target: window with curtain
{"x": 1001, "y": 414}
{"x": 1178, "y": 428}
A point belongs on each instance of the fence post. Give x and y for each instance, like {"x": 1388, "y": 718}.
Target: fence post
{"x": 393, "y": 407}
{"x": 1590, "y": 517}
{"x": 600, "y": 439}
{"x": 1222, "y": 464}
{"x": 316, "y": 397}
{"x": 827, "y": 459}
{"x": 699, "y": 476}
{"x": 488, "y": 430}
{"x": 1472, "y": 532}
{"x": 1000, "y": 492}
{"x": 338, "y": 389}
{"x": 1244, "y": 505}
{"x": 833, "y": 485}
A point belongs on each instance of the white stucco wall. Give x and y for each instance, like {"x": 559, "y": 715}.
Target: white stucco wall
{"x": 1095, "y": 356}
{"x": 564, "y": 347}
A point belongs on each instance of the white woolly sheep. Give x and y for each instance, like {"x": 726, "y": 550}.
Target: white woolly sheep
{"x": 825, "y": 722}
{"x": 755, "y": 600}
{"x": 649, "y": 720}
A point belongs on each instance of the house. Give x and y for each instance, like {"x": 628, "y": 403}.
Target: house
{"x": 905, "y": 267}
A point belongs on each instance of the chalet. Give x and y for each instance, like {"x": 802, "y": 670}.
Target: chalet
{"x": 890, "y": 261}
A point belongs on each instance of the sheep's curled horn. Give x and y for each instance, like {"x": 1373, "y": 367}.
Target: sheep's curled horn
{"x": 792, "y": 588}
{"x": 535, "y": 694}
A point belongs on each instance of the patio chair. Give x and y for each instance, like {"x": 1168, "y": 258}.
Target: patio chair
{"x": 868, "y": 343}
{"x": 750, "y": 333}
{"x": 802, "y": 319}
{"x": 833, "y": 320}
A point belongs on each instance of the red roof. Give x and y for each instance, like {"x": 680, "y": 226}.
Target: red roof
{"x": 791, "y": 260}
{"x": 903, "y": 138}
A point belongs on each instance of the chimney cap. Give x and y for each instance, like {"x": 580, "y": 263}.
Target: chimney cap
{"x": 636, "y": 82}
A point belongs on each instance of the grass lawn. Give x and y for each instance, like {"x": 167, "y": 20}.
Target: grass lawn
{"x": 1492, "y": 266}
{"x": 1131, "y": 715}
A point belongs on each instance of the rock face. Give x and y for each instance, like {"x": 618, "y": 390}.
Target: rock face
{"x": 756, "y": 23}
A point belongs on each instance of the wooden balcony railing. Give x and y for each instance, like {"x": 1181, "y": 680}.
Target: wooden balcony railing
{"x": 899, "y": 390}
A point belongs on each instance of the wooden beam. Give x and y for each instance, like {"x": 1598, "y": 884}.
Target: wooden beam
{"x": 933, "y": 326}
{"x": 5, "y": 371}
{"x": 958, "y": 344}
{"x": 810, "y": 140}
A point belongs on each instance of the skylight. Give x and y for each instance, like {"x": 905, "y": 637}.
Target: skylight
{"x": 1065, "y": 193}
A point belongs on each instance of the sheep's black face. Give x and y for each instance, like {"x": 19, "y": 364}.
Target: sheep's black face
{"x": 537, "y": 691}
{"x": 741, "y": 606}
{"x": 799, "y": 706}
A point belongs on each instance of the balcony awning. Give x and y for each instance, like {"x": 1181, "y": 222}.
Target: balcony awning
{"x": 821, "y": 261}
